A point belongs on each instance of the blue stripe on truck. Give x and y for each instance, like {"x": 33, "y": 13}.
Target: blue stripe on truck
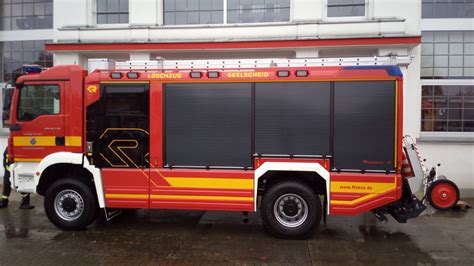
{"x": 393, "y": 71}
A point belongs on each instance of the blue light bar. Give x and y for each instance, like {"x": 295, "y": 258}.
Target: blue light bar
{"x": 30, "y": 69}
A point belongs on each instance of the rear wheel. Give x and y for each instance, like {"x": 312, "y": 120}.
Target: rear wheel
{"x": 70, "y": 204}
{"x": 290, "y": 209}
{"x": 443, "y": 194}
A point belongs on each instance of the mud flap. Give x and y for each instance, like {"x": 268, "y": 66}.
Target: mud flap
{"x": 111, "y": 213}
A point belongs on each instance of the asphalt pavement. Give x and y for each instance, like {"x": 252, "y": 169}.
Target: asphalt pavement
{"x": 142, "y": 237}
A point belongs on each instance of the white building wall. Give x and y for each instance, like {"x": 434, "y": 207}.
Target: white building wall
{"x": 307, "y": 20}
{"x": 456, "y": 161}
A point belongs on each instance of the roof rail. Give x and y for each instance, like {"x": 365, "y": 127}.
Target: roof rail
{"x": 251, "y": 63}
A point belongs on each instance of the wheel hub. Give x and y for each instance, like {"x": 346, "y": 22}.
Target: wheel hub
{"x": 69, "y": 205}
{"x": 290, "y": 210}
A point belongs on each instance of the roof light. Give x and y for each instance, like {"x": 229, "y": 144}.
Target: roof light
{"x": 29, "y": 69}
{"x": 302, "y": 73}
{"x": 116, "y": 75}
{"x": 132, "y": 75}
{"x": 195, "y": 75}
{"x": 212, "y": 74}
{"x": 283, "y": 73}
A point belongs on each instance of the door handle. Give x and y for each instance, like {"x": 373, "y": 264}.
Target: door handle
{"x": 15, "y": 127}
{"x": 60, "y": 141}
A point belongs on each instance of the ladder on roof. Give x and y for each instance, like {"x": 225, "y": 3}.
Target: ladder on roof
{"x": 249, "y": 63}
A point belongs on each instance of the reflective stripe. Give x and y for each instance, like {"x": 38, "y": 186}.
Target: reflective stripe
{"x": 24, "y": 195}
{"x": 28, "y": 159}
{"x": 44, "y": 141}
{"x": 4, "y": 197}
{"x": 75, "y": 141}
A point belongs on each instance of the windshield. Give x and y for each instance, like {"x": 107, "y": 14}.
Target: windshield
{"x": 7, "y": 95}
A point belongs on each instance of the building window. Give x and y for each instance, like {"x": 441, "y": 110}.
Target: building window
{"x": 447, "y": 9}
{"x": 447, "y": 108}
{"x": 185, "y": 12}
{"x": 346, "y": 8}
{"x": 26, "y": 14}
{"x": 447, "y": 54}
{"x": 18, "y": 53}
{"x": 254, "y": 11}
{"x": 112, "y": 11}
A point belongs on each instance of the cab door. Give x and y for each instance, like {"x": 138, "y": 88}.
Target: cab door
{"x": 37, "y": 128}
{"x": 118, "y": 132}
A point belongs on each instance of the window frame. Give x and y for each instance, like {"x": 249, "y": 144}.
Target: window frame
{"x": 18, "y": 102}
{"x": 429, "y": 38}
{"x": 36, "y": 48}
{"x": 225, "y": 19}
{"x": 449, "y": 8}
{"x": 35, "y": 16}
{"x": 96, "y": 13}
{"x": 349, "y": 18}
{"x": 450, "y": 136}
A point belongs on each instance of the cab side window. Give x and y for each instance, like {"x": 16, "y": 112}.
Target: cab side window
{"x": 37, "y": 100}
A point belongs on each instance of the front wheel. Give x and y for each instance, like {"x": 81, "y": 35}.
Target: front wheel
{"x": 70, "y": 204}
{"x": 443, "y": 194}
{"x": 290, "y": 209}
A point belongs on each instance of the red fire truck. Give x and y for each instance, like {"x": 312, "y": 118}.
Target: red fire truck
{"x": 294, "y": 139}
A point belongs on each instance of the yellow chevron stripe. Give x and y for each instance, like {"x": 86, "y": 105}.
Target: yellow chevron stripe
{"x": 379, "y": 188}
{"x": 197, "y": 182}
{"x": 352, "y": 202}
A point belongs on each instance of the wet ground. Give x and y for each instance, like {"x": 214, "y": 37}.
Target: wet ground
{"x": 191, "y": 237}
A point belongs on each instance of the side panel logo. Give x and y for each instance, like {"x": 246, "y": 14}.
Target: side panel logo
{"x": 92, "y": 89}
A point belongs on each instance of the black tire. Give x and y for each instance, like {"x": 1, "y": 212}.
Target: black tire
{"x": 73, "y": 188}
{"x": 437, "y": 200}
{"x": 279, "y": 192}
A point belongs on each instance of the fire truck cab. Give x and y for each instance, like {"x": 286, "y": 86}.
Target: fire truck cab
{"x": 296, "y": 140}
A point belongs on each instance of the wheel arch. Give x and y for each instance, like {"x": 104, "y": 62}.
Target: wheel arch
{"x": 68, "y": 162}
{"x": 277, "y": 170}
